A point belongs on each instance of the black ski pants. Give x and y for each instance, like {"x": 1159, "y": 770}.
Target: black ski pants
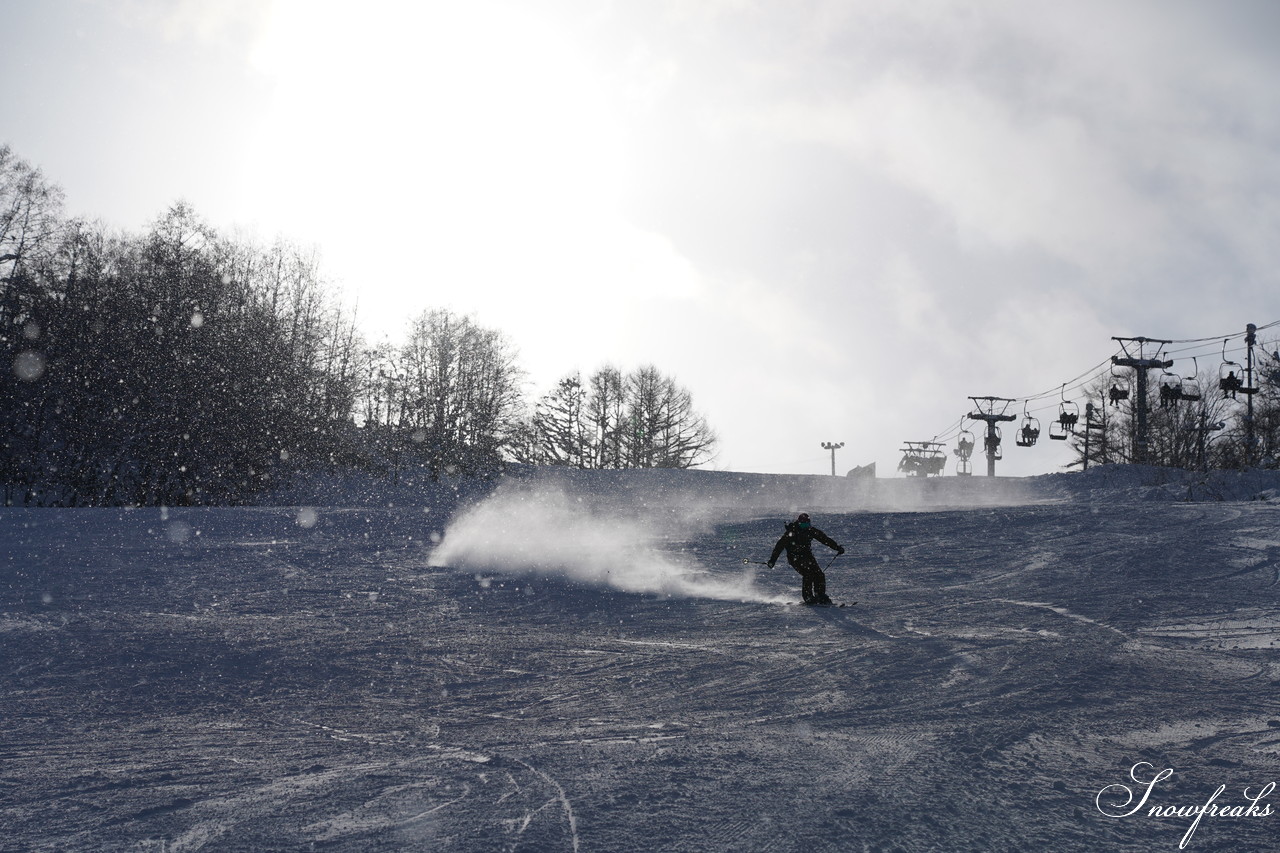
{"x": 813, "y": 585}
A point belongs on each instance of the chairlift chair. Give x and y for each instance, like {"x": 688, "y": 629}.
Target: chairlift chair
{"x": 1229, "y": 380}
{"x": 1068, "y": 416}
{"x": 1189, "y": 387}
{"x": 964, "y": 451}
{"x": 1170, "y": 389}
{"x": 1119, "y": 388}
{"x": 1028, "y": 432}
{"x": 1230, "y": 375}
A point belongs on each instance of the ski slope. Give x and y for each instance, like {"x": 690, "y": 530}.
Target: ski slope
{"x": 584, "y": 663}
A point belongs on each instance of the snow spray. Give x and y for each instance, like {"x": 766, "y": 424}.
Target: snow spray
{"x": 552, "y": 534}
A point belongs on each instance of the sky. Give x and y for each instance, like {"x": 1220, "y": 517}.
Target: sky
{"x": 830, "y": 220}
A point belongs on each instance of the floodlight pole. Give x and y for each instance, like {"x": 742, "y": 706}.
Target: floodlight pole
{"x": 992, "y": 417}
{"x": 833, "y": 446}
{"x": 1140, "y": 366}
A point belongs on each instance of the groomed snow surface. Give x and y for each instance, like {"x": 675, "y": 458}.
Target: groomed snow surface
{"x": 585, "y": 663}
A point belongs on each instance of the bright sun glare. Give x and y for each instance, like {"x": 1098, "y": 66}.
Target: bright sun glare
{"x": 473, "y": 145}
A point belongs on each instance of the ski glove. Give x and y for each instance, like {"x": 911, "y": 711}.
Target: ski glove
{"x": 769, "y": 564}
{"x": 839, "y": 551}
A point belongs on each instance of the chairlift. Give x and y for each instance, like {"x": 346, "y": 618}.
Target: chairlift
{"x": 1068, "y": 417}
{"x": 1119, "y": 389}
{"x": 1230, "y": 375}
{"x": 965, "y": 443}
{"x": 1029, "y": 431}
{"x": 922, "y": 459}
{"x": 993, "y": 446}
{"x": 1190, "y": 385}
{"x": 935, "y": 463}
{"x": 1170, "y": 389}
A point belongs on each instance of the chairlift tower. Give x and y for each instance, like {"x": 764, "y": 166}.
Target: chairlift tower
{"x": 1140, "y": 364}
{"x": 985, "y": 410}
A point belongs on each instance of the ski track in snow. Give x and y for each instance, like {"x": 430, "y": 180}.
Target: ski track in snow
{"x": 1061, "y": 611}
{"x": 252, "y": 685}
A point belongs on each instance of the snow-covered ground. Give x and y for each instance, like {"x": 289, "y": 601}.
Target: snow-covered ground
{"x": 585, "y": 663}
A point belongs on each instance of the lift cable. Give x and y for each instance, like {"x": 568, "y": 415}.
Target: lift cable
{"x": 1059, "y": 392}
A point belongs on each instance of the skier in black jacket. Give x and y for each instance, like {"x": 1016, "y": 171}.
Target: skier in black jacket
{"x": 798, "y": 542}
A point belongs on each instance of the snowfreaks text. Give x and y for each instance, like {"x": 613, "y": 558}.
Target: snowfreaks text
{"x": 1125, "y": 805}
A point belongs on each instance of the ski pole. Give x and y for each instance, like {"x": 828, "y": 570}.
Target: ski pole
{"x": 832, "y": 560}
{"x": 753, "y": 562}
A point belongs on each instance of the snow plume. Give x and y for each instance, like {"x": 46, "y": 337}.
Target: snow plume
{"x": 552, "y": 534}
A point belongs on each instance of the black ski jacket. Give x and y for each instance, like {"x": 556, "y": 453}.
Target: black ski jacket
{"x": 798, "y": 542}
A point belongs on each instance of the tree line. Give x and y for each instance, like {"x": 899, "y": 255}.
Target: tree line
{"x": 638, "y": 420}
{"x": 183, "y": 365}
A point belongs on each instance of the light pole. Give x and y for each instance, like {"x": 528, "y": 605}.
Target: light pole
{"x": 833, "y": 446}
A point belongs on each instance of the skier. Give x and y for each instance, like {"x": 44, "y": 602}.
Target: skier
{"x": 797, "y": 540}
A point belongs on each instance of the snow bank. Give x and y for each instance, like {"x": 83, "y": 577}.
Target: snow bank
{"x": 782, "y": 494}
{"x": 1151, "y": 483}
{"x": 354, "y": 487}
{"x": 653, "y": 488}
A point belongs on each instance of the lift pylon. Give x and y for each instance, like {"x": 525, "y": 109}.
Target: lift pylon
{"x": 985, "y": 410}
{"x": 1140, "y": 364}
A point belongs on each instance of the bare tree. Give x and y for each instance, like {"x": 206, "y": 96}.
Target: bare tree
{"x": 662, "y": 429}
{"x": 462, "y": 392}
{"x": 605, "y": 412}
{"x": 561, "y": 427}
{"x": 30, "y": 211}
{"x": 640, "y": 420}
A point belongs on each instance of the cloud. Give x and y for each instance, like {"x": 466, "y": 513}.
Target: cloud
{"x": 175, "y": 20}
